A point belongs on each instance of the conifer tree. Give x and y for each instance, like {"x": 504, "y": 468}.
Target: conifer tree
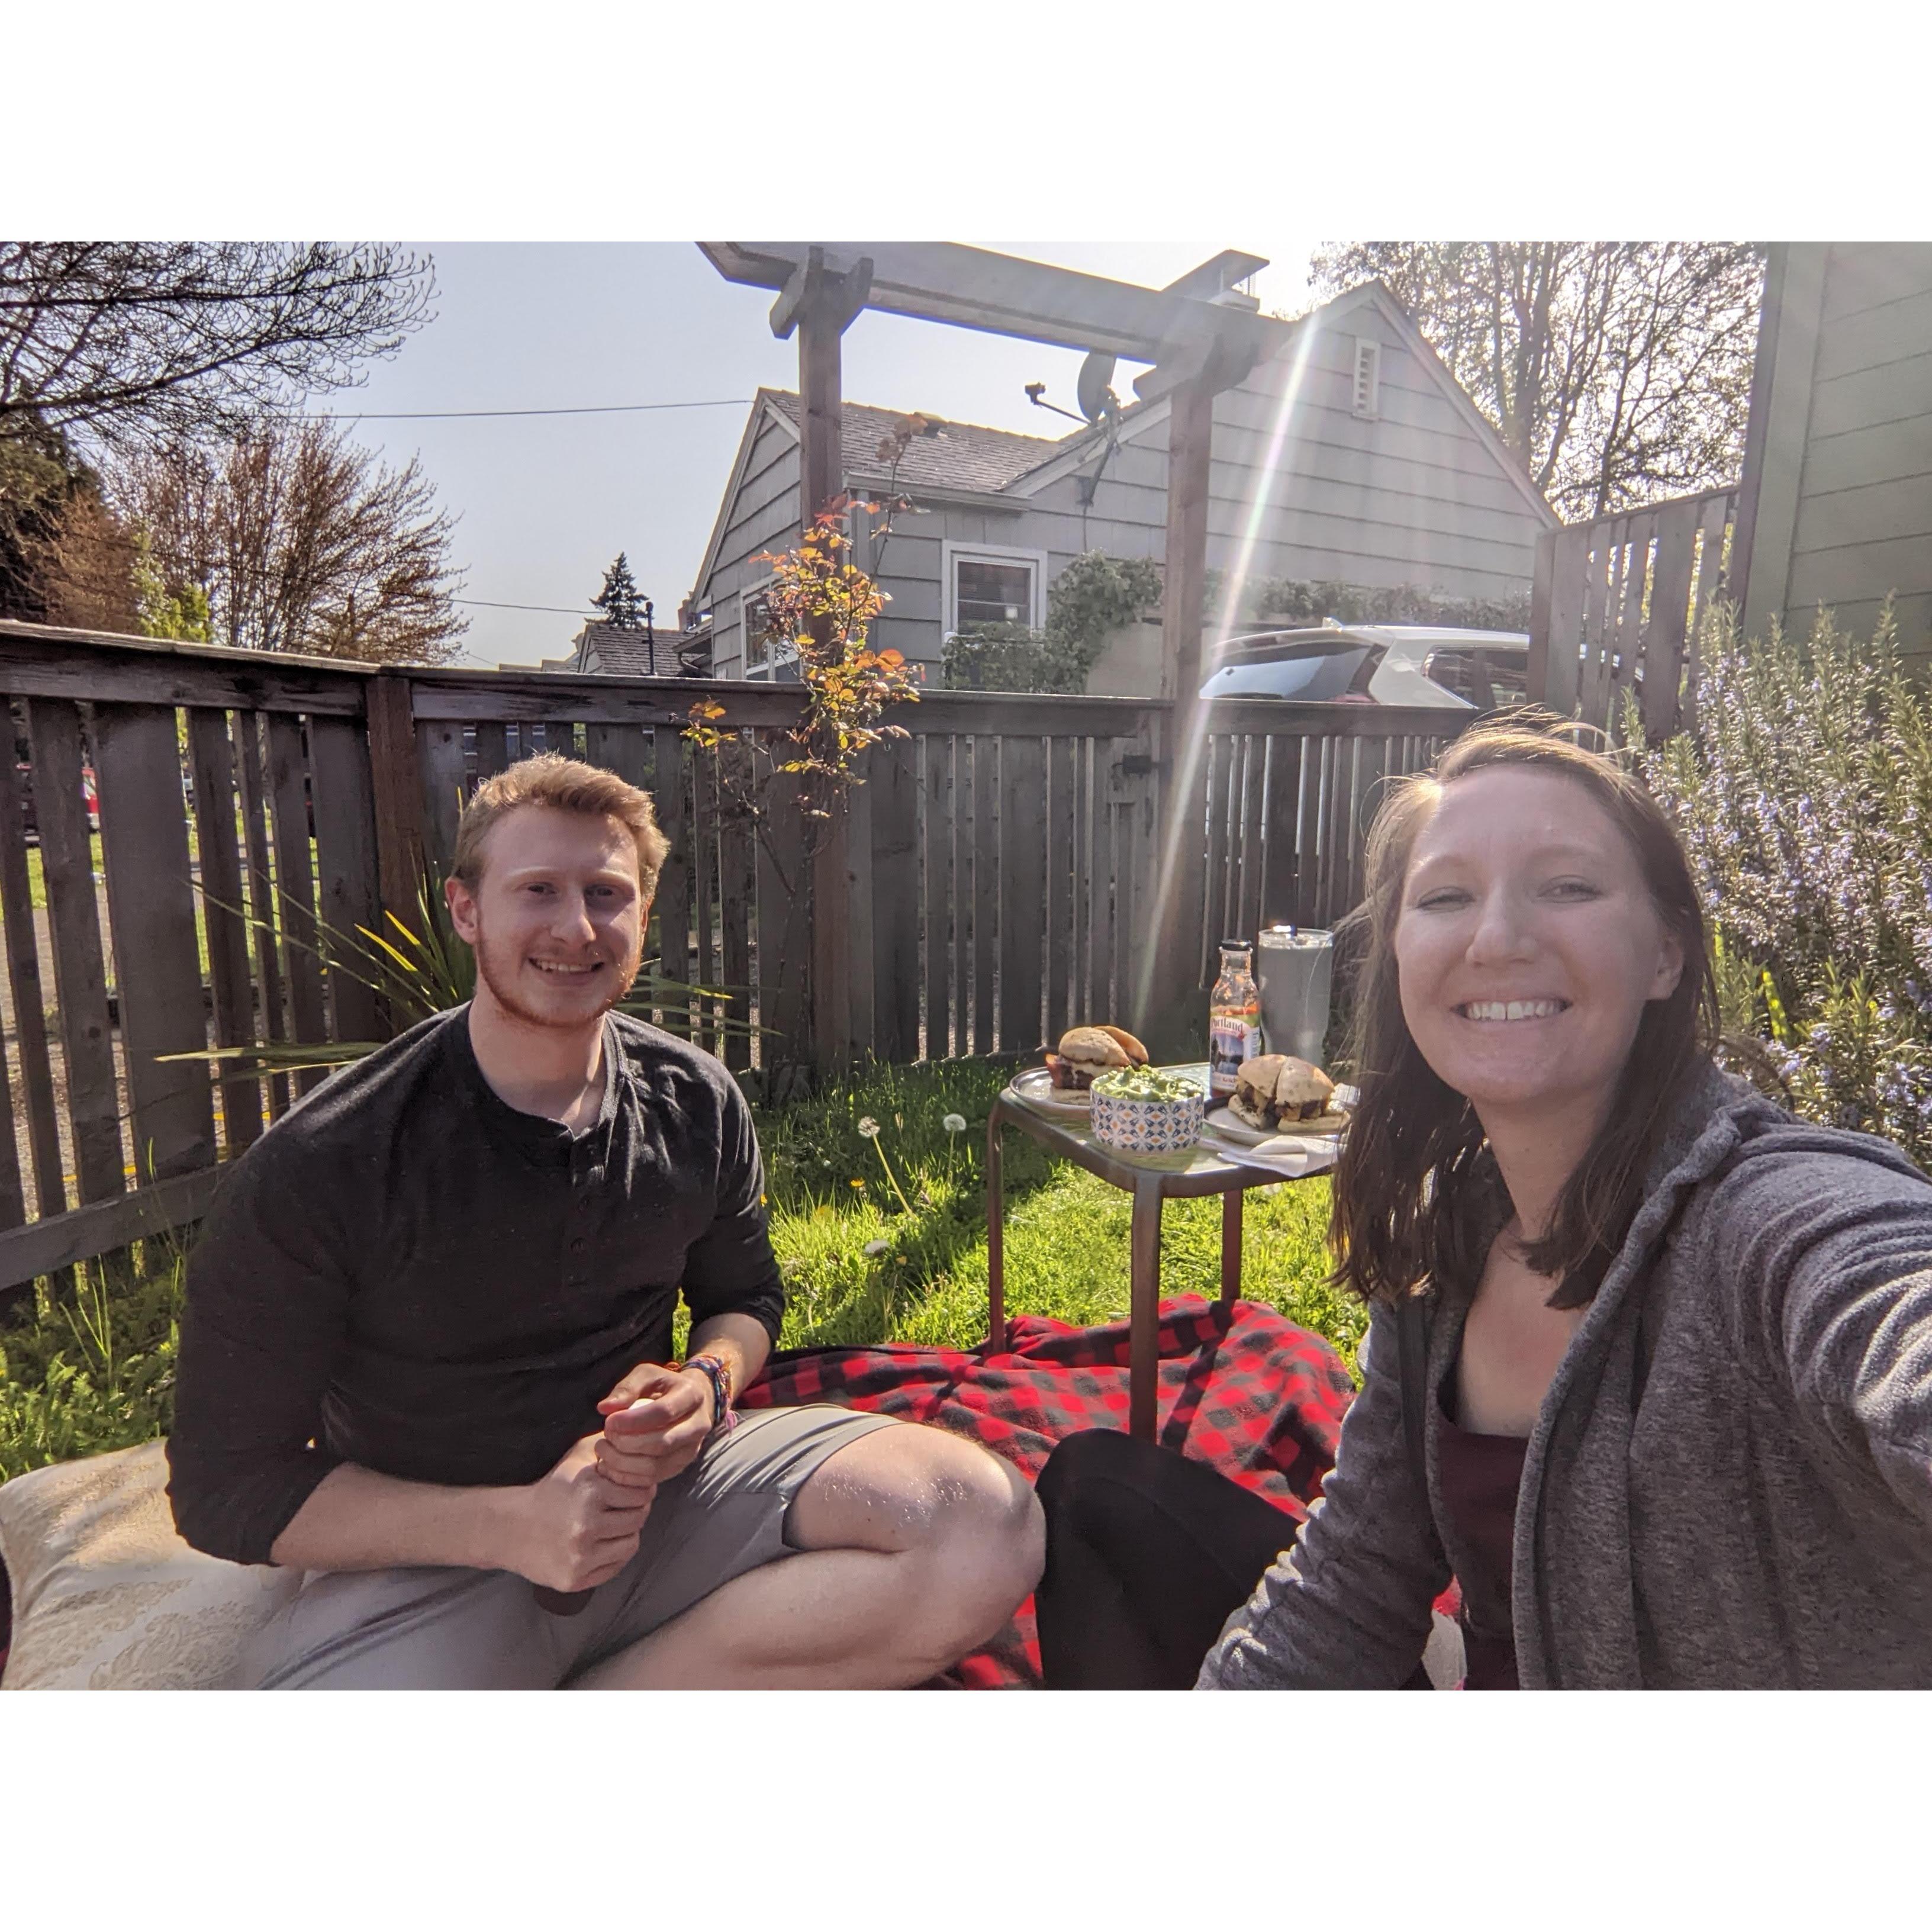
{"x": 622, "y": 607}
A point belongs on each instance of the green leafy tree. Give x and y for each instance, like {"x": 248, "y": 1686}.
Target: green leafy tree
{"x": 1618, "y": 372}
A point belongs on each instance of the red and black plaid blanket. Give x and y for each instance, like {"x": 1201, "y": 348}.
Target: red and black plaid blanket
{"x": 1240, "y": 1387}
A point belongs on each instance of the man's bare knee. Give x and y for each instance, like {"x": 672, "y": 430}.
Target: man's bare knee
{"x": 983, "y": 1553}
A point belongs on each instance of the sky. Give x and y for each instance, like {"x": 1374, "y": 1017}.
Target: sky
{"x": 543, "y": 504}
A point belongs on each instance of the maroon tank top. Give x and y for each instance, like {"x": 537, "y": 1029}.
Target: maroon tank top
{"x": 1480, "y": 1475}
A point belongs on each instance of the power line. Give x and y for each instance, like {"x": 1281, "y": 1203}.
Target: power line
{"x": 488, "y": 604}
{"x": 592, "y": 410}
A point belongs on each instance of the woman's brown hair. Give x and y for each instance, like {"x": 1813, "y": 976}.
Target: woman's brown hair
{"x": 1415, "y": 1170}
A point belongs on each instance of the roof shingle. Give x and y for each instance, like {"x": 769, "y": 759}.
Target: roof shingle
{"x": 962, "y": 456}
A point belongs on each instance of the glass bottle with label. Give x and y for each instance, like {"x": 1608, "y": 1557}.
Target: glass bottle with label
{"x": 1234, "y": 1019}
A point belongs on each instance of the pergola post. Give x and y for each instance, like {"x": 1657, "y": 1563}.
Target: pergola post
{"x": 821, "y": 305}
{"x": 1171, "y": 1016}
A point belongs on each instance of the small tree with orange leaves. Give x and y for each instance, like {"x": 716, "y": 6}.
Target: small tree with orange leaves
{"x": 820, "y": 608}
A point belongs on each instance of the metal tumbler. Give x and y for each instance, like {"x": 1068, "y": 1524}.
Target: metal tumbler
{"x": 1293, "y": 966}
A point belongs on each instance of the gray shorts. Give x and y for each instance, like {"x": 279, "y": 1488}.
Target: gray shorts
{"x": 438, "y": 1629}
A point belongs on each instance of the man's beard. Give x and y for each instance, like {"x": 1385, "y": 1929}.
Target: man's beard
{"x": 502, "y": 984}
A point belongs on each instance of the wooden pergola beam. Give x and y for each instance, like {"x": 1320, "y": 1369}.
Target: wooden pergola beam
{"x": 1035, "y": 301}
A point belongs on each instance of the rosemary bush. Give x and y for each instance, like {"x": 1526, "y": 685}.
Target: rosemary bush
{"x": 1804, "y": 793}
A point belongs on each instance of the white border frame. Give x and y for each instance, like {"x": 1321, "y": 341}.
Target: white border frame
{"x": 950, "y": 553}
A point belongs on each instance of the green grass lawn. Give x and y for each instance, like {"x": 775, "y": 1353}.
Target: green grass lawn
{"x": 879, "y": 1239}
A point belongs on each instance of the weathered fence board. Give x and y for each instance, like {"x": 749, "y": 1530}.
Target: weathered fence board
{"x": 252, "y": 775}
{"x": 892, "y": 783}
{"x": 784, "y": 929}
{"x": 1023, "y": 889}
{"x": 1618, "y": 606}
{"x": 1062, "y": 870}
{"x": 294, "y": 910}
{"x": 986, "y": 884}
{"x": 440, "y": 757}
{"x": 29, "y": 992}
{"x": 1097, "y": 1000}
{"x": 73, "y": 921}
{"x": 347, "y": 895}
{"x": 674, "y": 880}
{"x": 936, "y": 890}
{"x": 224, "y": 919}
{"x": 151, "y": 905}
{"x": 737, "y": 892}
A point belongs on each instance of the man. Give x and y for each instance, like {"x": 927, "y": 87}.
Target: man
{"x": 426, "y": 1353}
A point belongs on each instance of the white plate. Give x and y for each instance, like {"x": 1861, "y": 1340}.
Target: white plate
{"x": 1035, "y": 1088}
{"x": 1223, "y": 1122}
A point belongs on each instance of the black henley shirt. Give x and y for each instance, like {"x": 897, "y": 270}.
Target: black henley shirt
{"x": 407, "y": 1274}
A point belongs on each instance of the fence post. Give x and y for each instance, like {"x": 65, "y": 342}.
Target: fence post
{"x": 396, "y": 780}
{"x": 1536, "y": 682}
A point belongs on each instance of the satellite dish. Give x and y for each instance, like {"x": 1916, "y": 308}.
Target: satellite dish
{"x": 1094, "y": 392}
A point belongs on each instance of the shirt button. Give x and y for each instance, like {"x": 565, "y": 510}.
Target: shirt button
{"x": 578, "y": 1244}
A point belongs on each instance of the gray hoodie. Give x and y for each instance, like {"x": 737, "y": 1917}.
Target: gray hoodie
{"x": 1751, "y": 1508}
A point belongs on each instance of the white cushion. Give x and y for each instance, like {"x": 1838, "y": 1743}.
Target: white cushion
{"x": 106, "y": 1596}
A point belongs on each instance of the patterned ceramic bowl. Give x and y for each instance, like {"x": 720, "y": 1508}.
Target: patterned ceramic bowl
{"x": 1135, "y": 1125}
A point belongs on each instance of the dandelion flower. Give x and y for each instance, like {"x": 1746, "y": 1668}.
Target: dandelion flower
{"x": 869, "y": 1127}
{"x": 859, "y": 1185}
{"x": 954, "y": 1123}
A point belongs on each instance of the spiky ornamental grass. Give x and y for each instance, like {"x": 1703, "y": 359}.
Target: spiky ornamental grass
{"x": 1804, "y": 796}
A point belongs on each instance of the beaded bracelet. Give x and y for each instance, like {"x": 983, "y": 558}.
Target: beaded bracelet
{"x": 718, "y": 1372}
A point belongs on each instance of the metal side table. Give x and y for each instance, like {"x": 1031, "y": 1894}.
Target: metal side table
{"x": 1151, "y": 1180}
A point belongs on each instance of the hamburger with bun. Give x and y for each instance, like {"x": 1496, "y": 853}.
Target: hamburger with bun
{"x": 1086, "y": 1052}
{"x": 1273, "y": 1089}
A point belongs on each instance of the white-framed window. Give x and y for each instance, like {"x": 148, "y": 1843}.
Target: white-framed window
{"x": 1367, "y": 400}
{"x": 761, "y": 655}
{"x": 987, "y": 584}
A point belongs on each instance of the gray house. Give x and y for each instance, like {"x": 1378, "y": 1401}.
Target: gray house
{"x": 1836, "y": 502}
{"x": 1351, "y": 456}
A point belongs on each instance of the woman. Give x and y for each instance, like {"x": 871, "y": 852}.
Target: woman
{"x": 1649, "y": 1363}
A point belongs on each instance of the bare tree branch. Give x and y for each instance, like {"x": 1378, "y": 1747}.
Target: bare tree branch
{"x": 188, "y": 338}
{"x": 1618, "y": 372}
{"x": 300, "y": 541}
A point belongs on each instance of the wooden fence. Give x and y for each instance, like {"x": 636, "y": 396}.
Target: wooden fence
{"x": 999, "y": 866}
{"x": 1617, "y": 605}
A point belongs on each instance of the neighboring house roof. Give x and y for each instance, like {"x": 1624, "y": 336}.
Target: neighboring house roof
{"x": 605, "y": 651}
{"x": 960, "y": 456}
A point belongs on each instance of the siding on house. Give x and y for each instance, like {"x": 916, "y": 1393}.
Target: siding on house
{"x": 761, "y": 515}
{"x": 1840, "y": 458}
{"x": 1419, "y": 494}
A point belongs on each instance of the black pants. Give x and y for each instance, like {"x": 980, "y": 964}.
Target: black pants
{"x": 1148, "y": 1555}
